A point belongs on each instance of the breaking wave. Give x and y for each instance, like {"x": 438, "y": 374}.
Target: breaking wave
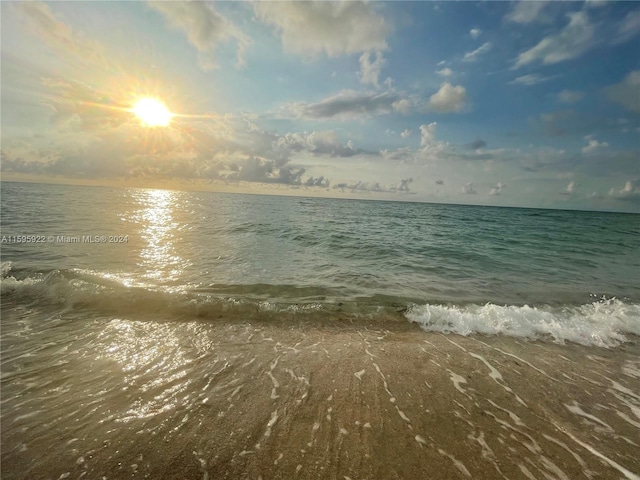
{"x": 604, "y": 323}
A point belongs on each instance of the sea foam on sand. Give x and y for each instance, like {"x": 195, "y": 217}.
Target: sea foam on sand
{"x": 222, "y": 400}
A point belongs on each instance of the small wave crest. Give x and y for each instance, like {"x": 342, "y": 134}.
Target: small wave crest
{"x": 604, "y": 324}
{"x": 109, "y": 294}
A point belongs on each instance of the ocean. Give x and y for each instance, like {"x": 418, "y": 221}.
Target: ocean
{"x": 169, "y": 334}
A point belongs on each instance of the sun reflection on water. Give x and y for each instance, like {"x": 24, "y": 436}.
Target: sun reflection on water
{"x": 160, "y": 231}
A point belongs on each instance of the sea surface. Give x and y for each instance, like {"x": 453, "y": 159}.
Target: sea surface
{"x": 570, "y": 275}
{"x": 124, "y": 309}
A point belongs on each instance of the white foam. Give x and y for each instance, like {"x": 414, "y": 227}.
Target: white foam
{"x": 458, "y": 464}
{"x": 602, "y": 324}
{"x": 5, "y": 268}
{"x": 627, "y": 474}
{"x": 576, "y": 410}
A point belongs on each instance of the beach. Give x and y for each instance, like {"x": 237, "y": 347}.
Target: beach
{"x": 333, "y": 400}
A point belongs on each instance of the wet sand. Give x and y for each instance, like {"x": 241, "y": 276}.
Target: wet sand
{"x": 196, "y": 400}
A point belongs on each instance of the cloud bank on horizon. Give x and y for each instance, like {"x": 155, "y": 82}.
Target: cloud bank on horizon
{"x": 519, "y": 104}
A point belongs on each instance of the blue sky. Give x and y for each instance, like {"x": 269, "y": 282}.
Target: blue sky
{"x": 520, "y": 104}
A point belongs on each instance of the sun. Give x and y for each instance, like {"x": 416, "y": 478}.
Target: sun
{"x": 152, "y": 112}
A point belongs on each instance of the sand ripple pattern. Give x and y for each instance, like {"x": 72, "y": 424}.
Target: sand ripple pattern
{"x": 118, "y": 398}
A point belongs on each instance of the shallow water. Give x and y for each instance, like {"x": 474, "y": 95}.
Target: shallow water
{"x": 197, "y": 399}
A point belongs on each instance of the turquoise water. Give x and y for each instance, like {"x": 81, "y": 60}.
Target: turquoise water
{"x": 448, "y": 267}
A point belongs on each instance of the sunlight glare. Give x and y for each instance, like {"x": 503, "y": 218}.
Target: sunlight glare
{"x": 152, "y": 112}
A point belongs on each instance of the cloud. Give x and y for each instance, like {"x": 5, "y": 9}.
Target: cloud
{"x": 263, "y": 170}
{"x": 401, "y": 187}
{"x": 448, "y": 99}
{"x": 205, "y": 28}
{"x": 569, "y": 189}
{"x": 94, "y": 142}
{"x": 335, "y": 28}
{"x": 404, "y": 154}
{"x": 569, "y": 43}
{"x": 428, "y": 135}
{"x": 596, "y": 3}
{"x": 481, "y": 50}
{"x": 350, "y": 104}
{"x": 475, "y": 32}
{"x": 555, "y": 124}
{"x": 476, "y": 144}
{"x": 530, "y": 79}
{"x": 630, "y": 192}
{"x": 625, "y": 93}
{"x": 405, "y": 133}
{"x": 445, "y": 72}
{"x": 469, "y": 189}
{"x": 629, "y": 27}
{"x": 569, "y": 96}
{"x": 369, "y": 72}
{"x": 322, "y": 143}
{"x": 317, "y": 182}
{"x": 58, "y": 35}
{"x": 525, "y": 12}
{"x": 403, "y": 106}
{"x": 497, "y": 189}
{"x": 593, "y": 145}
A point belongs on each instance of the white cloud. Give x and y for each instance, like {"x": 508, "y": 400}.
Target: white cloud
{"x": 448, "y": 99}
{"x": 596, "y": 3}
{"x": 432, "y": 149}
{"x": 630, "y": 191}
{"x": 569, "y": 189}
{"x": 497, "y": 190}
{"x": 473, "y": 56}
{"x": 569, "y": 96}
{"x": 469, "y": 189}
{"x": 403, "y": 154}
{"x": 525, "y": 12}
{"x": 428, "y": 134}
{"x": 369, "y": 72}
{"x": 321, "y": 143}
{"x": 205, "y": 29}
{"x": 625, "y": 93}
{"x": 569, "y": 43}
{"x": 593, "y": 145}
{"x": 405, "y": 133}
{"x": 58, "y": 35}
{"x": 475, "y": 32}
{"x": 629, "y": 27}
{"x": 530, "y": 79}
{"x": 403, "y": 106}
{"x": 445, "y": 72}
{"x": 335, "y": 28}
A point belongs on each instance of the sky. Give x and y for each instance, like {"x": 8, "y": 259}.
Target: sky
{"x": 531, "y": 104}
